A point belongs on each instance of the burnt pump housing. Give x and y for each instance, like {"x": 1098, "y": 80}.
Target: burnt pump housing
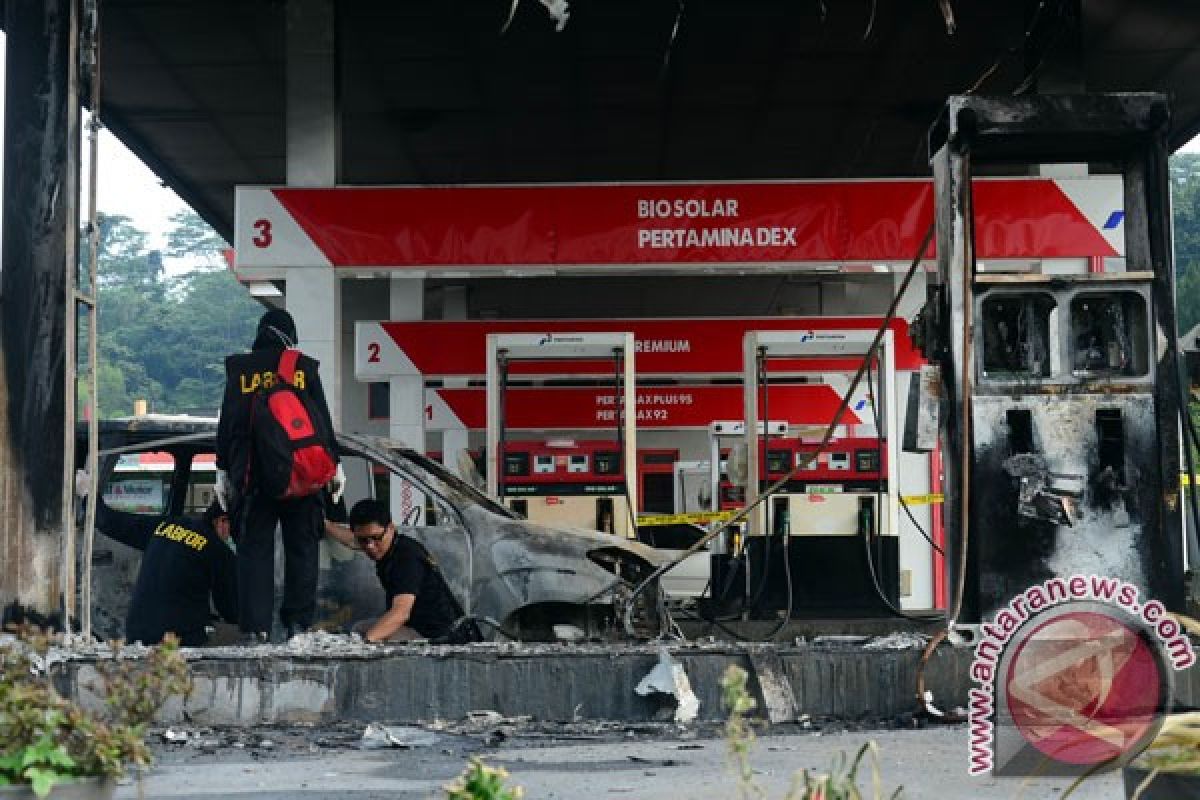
{"x": 1059, "y": 395}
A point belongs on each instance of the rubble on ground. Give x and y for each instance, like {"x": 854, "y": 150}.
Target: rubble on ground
{"x": 900, "y": 640}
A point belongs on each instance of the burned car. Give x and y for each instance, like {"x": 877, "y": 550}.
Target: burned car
{"x": 518, "y": 579}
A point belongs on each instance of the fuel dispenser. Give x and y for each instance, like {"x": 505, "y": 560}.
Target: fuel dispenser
{"x": 1060, "y": 392}
{"x": 567, "y": 482}
{"x": 827, "y": 542}
{"x": 589, "y": 484}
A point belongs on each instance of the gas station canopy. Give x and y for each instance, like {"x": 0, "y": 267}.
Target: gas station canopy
{"x": 659, "y": 90}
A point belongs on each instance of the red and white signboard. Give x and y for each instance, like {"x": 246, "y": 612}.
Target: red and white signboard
{"x": 709, "y": 347}
{"x": 589, "y": 227}
{"x": 553, "y": 408}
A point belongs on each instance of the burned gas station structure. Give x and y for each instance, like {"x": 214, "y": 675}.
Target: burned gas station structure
{"x": 588, "y": 260}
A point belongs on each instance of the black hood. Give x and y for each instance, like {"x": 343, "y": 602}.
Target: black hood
{"x": 274, "y": 323}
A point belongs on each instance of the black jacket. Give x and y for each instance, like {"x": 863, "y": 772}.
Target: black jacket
{"x": 184, "y": 563}
{"x": 408, "y": 568}
{"x": 244, "y": 375}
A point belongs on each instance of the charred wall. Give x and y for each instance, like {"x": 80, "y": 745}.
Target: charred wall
{"x": 39, "y": 208}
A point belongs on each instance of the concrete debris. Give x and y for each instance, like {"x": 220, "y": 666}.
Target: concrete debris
{"x": 840, "y": 640}
{"x": 378, "y": 736}
{"x": 491, "y": 725}
{"x": 559, "y": 12}
{"x": 569, "y": 633}
{"x": 321, "y": 643}
{"x": 900, "y": 640}
{"x": 668, "y": 677}
{"x": 74, "y": 646}
{"x": 486, "y": 717}
{"x": 773, "y": 685}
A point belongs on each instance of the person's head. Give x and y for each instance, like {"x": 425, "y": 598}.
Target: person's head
{"x": 217, "y": 520}
{"x": 276, "y": 328}
{"x": 371, "y": 524}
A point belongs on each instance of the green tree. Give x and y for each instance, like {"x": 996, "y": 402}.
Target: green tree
{"x": 164, "y": 339}
{"x": 191, "y": 239}
{"x": 1185, "y": 201}
{"x": 126, "y": 260}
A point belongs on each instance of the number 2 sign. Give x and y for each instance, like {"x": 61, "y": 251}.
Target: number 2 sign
{"x": 376, "y": 356}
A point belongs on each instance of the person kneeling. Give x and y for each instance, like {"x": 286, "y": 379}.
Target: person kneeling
{"x": 419, "y": 603}
{"x": 185, "y": 562}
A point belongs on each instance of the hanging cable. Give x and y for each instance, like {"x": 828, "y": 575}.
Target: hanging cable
{"x": 764, "y": 445}
{"x": 765, "y": 387}
{"x": 873, "y": 530}
{"x": 924, "y": 697}
{"x": 822, "y": 445}
{"x": 1186, "y": 425}
{"x": 921, "y": 530}
{"x": 498, "y": 458}
{"x": 903, "y": 505}
{"x": 619, "y": 383}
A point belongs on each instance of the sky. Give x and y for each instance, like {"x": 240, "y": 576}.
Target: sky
{"x": 126, "y": 186}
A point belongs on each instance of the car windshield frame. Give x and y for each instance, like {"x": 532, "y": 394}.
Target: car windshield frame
{"x": 434, "y": 476}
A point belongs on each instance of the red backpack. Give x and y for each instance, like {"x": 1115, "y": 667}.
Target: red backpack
{"x": 289, "y": 458}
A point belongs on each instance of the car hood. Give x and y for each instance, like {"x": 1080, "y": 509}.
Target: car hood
{"x": 566, "y": 538}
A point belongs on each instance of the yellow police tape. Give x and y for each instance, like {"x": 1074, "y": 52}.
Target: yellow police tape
{"x": 695, "y": 517}
{"x": 703, "y": 517}
{"x": 923, "y": 499}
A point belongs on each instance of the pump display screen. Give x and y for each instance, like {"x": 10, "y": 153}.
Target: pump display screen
{"x": 866, "y": 460}
{"x": 516, "y": 463}
{"x": 779, "y": 460}
{"x": 1108, "y": 334}
{"x": 608, "y": 463}
{"x": 1016, "y": 335}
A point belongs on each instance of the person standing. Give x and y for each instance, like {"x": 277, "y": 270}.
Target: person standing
{"x": 242, "y": 478}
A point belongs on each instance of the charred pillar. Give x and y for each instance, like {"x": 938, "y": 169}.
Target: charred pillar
{"x": 39, "y": 223}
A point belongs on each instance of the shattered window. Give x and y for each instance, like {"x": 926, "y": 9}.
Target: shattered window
{"x": 1016, "y": 335}
{"x": 140, "y": 483}
{"x": 1108, "y": 334}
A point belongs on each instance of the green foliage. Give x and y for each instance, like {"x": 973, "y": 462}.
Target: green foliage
{"x": 1185, "y": 201}
{"x": 840, "y": 783}
{"x": 481, "y": 782}
{"x": 738, "y": 733}
{"x": 190, "y": 237}
{"x": 42, "y": 765}
{"x": 46, "y": 739}
{"x": 165, "y": 339}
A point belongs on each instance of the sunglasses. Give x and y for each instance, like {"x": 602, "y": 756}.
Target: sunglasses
{"x": 369, "y": 539}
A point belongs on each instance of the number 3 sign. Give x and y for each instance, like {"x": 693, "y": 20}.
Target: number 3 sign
{"x": 268, "y": 237}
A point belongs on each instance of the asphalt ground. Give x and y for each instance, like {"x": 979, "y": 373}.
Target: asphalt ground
{"x": 647, "y": 761}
